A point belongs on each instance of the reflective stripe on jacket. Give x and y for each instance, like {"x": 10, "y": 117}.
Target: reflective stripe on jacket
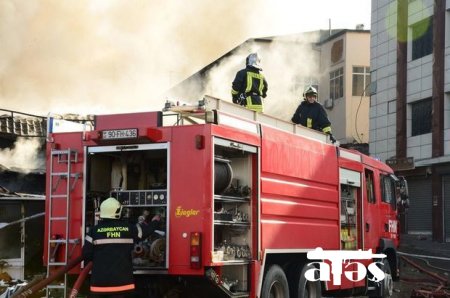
{"x": 312, "y": 115}
{"x": 250, "y": 83}
{"x": 109, "y": 245}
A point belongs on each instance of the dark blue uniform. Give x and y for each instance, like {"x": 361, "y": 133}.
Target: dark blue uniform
{"x": 109, "y": 245}
{"x": 312, "y": 115}
{"x": 248, "y": 87}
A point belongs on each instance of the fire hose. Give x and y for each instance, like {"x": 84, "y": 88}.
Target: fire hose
{"x": 7, "y": 224}
{"x": 437, "y": 277}
{"x": 31, "y": 289}
{"x": 80, "y": 280}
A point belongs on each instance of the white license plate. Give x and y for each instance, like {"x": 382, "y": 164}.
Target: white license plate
{"x": 116, "y": 134}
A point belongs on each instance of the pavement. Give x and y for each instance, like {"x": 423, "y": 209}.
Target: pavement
{"x": 424, "y": 269}
{"x": 423, "y": 244}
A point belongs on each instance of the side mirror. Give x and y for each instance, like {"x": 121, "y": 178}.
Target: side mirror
{"x": 403, "y": 186}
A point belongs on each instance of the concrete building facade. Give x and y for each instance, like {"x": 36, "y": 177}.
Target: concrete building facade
{"x": 344, "y": 75}
{"x": 410, "y": 105}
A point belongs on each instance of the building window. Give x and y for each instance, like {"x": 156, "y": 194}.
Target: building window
{"x": 361, "y": 79}
{"x": 392, "y": 106}
{"x": 421, "y": 117}
{"x": 300, "y": 83}
{"x": 422, "y": 38}
{"x": 337, "y": 84}
{"x": 337, "y": 50}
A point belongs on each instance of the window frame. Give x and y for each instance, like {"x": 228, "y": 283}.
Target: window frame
{"x": 365, "y": 74}
{"x": 422, "y": 39}
{"x": 337, "y": 82}
{"x": 421, "y": 116}
{"x": 370, "y": 189}
{"x": 388, "y": 189}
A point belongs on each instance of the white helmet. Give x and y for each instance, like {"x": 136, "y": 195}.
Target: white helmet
{"x": 310, "y": 90}
{"x": 253, "y": 60}
{"x": 110, "y": 208}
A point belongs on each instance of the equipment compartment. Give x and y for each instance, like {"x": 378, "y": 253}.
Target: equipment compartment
{"x": 233, "y": 183}
{"x": 137, "y": 178}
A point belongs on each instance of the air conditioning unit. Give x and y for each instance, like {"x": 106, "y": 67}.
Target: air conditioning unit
{"x": 328, "y": 104}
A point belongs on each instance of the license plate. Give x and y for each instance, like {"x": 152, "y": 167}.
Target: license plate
{"x": 116, "y": 134}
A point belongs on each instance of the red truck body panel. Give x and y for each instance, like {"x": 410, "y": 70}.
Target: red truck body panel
{"x": 294, "y": 204}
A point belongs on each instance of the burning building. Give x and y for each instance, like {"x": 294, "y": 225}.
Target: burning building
{"x": 22, "y": 189}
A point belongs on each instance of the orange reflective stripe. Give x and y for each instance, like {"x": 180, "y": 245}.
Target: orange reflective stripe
{"x": 112, "y": 289}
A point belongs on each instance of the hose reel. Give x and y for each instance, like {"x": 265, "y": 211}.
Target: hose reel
{"x": 223, "y": 175}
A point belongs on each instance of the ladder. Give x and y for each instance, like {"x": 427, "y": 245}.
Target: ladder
{"x": 59, "y": 198}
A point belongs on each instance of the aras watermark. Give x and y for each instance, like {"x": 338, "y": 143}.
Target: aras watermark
{"x": 343, "y": 261}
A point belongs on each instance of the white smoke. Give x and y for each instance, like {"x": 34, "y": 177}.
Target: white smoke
{"x": 25, "y": 156}
{"x": 92, "y": 57}
{"x": 289, "y": 63}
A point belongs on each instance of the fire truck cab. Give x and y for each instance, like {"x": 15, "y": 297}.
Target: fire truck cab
{"x": 243, "y": 197}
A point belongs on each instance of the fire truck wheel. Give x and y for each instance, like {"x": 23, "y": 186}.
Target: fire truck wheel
{"x": 308, "y": 288}
{"x": 388, "y": 283}
{"x": 275, "y": 284}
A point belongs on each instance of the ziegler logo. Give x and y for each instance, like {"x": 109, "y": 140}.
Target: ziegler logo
{"x": 341, "y": 259}
{"x": 180, "y": 212}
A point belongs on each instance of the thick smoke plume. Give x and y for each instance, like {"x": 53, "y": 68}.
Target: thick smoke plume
{"x": 25, "y": 156}
{"x": 107, "y": 56}
{"x": 289, "y": 64}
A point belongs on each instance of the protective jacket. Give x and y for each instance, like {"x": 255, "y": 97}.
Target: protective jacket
{"x": 109, "y": 245}
{"x": 248, "y": 87}
{"x": 312, "y": 115}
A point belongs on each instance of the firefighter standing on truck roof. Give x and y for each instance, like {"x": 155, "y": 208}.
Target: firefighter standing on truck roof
{"x": 249, "y": 85}
{"x": 109, "y": 245}
{"x": 311, "y": 114}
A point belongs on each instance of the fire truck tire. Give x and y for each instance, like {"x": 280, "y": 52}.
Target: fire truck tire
{"x": 275, "y": 284}
{"x": 387, "y": 284}
{"x": 307, "y": 288}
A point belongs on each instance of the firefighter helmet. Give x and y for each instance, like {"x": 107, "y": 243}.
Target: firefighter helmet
{"x": 110, "y": 208}
{"x": 310, "y": 90}
{"x": 253, "y": 60}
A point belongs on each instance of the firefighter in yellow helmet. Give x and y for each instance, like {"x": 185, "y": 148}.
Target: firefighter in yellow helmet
{"x": 109, "y": 245}
{"x": 311, "y": 114}
{"x": 249, "y": 85}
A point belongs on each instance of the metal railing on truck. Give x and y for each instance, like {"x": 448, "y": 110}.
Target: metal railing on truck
{"x": 214, "y": 110}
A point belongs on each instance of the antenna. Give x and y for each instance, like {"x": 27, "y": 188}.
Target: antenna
{"x": 329, "y": 26}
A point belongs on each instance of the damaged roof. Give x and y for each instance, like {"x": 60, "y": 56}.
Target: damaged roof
{"x": 6, "y": 194}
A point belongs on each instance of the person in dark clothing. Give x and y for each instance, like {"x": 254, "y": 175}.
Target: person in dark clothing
{"x": 311, "y": 114}
{"x": 109, "y": 245}
{"x": 249, "y": 85}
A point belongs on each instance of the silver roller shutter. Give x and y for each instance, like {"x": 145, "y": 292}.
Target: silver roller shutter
{"x": 420, "y": 205}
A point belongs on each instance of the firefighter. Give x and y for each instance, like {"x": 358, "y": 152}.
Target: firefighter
{"x": 109, "y": 245}
{"x": 311, "y": 114}
{"x": 249, "y": 85}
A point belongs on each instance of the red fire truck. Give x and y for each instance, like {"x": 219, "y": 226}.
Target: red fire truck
{"x": 243, "y": 198}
